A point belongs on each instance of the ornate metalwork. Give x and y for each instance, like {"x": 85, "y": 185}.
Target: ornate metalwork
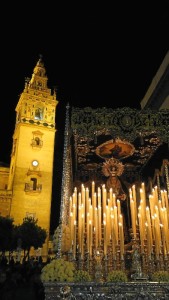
{"x": 166, "y": 163}
{"x": 145, "y": 130}
{"x": 124, "y": 122}
{"x": 66, "y": 184}
{"x": 101, "y": 291}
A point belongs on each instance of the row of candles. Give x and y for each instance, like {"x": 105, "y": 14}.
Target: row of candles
{"x": 96, "y": 220}
{"x": 151, "y": 217}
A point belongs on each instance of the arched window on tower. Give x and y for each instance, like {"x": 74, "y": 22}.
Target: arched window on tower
{"x": 37, "y": 139}
{"x": 38, "y": 113}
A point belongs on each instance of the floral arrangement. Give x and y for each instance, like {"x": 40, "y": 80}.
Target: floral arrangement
{"x": 116, "y": 276}
{"x": 81, "y": 276}
{"x": 61, "y": 270}
{"x": 58, "y": 270}
{"x": 160, "y": 276}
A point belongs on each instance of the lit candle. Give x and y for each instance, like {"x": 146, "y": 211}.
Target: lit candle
{"x": 74, "y": 241}
{"x": 93, "y": 190}
{"x": 163, "y": 199}
{"x": 121, "y": 233}
{"x": 105, "y": 238}
{"x": 149, "y": 227}
{"x": 99, "y": 225}
{"x": 82, "y": 237}
{"x": 87, "y": 200}
{"x": 155, "y": 194}
{"x": 79, "y": 199}
{"x": 133, "y": 219}
{"x": 83, "y": 200}
{"x": 135, "y": 201}
{"x": 71, "y": 226}
{"x": 87, "y": 229}
{"x": 148, "y": 239}
{"x": 114, "y": 200}
{"x": 153, "y": 227}
{"x": 70, "y": 205}
{"x": 75, "y": 196}
{"x": 141, "y": 231}
{"x": 109, "y": 203}
{"x": 143, "y": 207}
{"x": 96, "y": 234}
{"x": 75, "y": 206}
{"x": 116, "y": 223}
{"x": 118, "y": 210}
{"x": 151, "y": 202}
{"x": 113, "y": 234}
{"x": 157, "y": 236}
{"x": 159, "y": 209}
{"x": 142, "y": 221}
{"x": 163, "y": 239}
{"x": 111, "y": 197}
{"x": 108, "y": 224}
{"x": 74, "y": 212}
{"x": 90, "y": 238}
{"x": 157, "y": 230}
{"x": 91, "y": 213}
{"x": 94, "y": 209}
{"x": 79, "y": 226}
{"x": 104, "y": 192}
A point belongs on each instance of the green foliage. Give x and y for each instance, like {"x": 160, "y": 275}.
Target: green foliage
{"x": 58, "y": 270}
{"x": 117, "y": 276}
{"x": 25, "y": 236}
{"x": 30, "y": 234}
{"x": 61, "y": 270}
{"x": 160, "y": 276}
{"x": 81, "y": 276}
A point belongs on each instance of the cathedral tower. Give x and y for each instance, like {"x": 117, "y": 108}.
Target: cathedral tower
{"x": 32, "y": 157}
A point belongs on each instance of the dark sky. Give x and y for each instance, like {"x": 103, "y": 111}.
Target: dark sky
{"x": 96, "y": 55}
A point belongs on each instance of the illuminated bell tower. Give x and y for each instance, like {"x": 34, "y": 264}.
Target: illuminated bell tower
{"x": 32, "y": 157}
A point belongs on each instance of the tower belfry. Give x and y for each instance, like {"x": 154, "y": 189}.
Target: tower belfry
{"x": 31, "y": 167}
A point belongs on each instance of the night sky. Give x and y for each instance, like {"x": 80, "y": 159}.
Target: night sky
{"x": 96, "y": 55}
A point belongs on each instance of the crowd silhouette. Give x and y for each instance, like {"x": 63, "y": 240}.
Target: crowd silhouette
{"x": 21, "y": 280}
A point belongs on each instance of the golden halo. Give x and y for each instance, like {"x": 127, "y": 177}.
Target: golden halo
{"x": 112, "y": 162}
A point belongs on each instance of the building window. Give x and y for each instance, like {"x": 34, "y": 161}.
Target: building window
{"x": 34, "y": 183}
{"x": 37, "y": 142}
{"x": 38, "y": 114}
{"x": 37, "y": 139}
{"x": 33, "y": 186}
